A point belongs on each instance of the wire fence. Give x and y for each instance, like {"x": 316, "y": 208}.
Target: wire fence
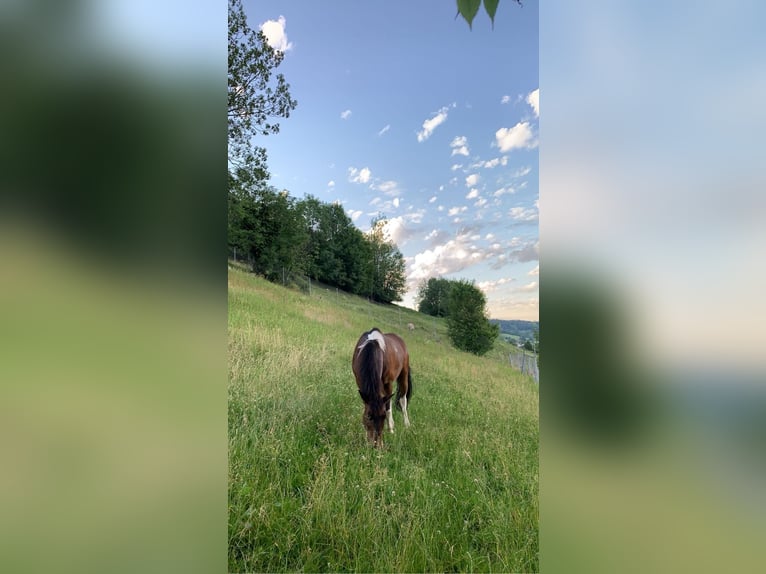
{"x": 526, "y": 362}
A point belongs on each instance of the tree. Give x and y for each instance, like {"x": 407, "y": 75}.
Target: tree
{"x": 254, "y": 99}
{"x": 433, "y": 297}
{"x": 386, "y": 265}
{"x": 335, "y": 250}
{"x": 468, "y": 325}
{"x": 244, "y": 225}
{"x": 528, "y": 346}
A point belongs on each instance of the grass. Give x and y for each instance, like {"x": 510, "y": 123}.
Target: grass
{"x": 458, "y": 491}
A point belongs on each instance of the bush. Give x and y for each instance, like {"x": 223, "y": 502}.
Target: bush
{"x": 468, "y": 325}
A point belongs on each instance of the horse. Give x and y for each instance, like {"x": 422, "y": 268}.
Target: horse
{"x": 378, "y": 360}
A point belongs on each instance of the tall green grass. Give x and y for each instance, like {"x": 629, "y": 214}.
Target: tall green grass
{"x": 457, "y": 491}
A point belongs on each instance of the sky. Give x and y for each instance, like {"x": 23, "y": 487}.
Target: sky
{"x": 404, "y": 111}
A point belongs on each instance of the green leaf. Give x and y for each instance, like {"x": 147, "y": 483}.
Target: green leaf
{"x": 468, "y": 9}
{"x": 491, "y": 7}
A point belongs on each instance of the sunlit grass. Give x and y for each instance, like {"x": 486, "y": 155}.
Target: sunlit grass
{"x": 455, "y": 492}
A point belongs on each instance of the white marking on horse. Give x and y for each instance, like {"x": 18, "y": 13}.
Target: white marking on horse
{"x": 403, "y": 404}
{"x": 375, "y": 336}
{"x": 390, "y": 419}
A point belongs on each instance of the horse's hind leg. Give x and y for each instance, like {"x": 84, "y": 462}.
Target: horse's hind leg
{"x": 403, "y": 404}
{"x": 404, "y": 380}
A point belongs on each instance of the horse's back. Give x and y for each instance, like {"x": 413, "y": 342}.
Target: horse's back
{"x": 397, "y": 341}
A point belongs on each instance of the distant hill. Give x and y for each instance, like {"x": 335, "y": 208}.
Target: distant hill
{"x": 520, "y": 330}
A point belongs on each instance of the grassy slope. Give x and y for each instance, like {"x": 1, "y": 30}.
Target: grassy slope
{"x": 456, "y": 491}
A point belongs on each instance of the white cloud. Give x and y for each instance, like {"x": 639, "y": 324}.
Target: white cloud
{"x": 523, "y": 214}
{"x": 535, "y": 271}
{"x": 474, "y": 193}
{"x": 528, "y": 288}
{"x": 462, "y": 150}
{"x": 396, "y": 202}
{"x": 276, "y": 37}
{"x": 472, "y": 180}
{"x": 394, "y": 230}
{"x": 533, "y": 99}
{"x": 331, "y": 183}
{"x": 389, "y": 187}
{"x": 432, "y": 200}
{"x": 415, "y": 216}
{"x": 503, "y": 191}
{"x": 494, "y": 162}
{"x": 354, "y": 214}
{"x": 481, "y": 202}
{"x": 434, "y": 122}
{"x": 449, "y": 257}
{"x": 359, "y": 175}
{"x": 455, "y": 210}
{"x": 528, "y": 252}
{"x": 521, "y": 172}
{"x": 489, "y": 286}
{"x": 505, "y": 99}
{"x": 459, "y": 146}
{"x": 345, "y": 114}
{"x": 517, "y": 137}
{"x": 456, "y": 166}
{"x": 384, "y": 130}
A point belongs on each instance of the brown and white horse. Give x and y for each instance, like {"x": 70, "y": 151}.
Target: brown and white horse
{"x": 379, "y": 360}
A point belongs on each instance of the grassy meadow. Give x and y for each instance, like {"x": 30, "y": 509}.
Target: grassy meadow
{"x": 457, "y": 491}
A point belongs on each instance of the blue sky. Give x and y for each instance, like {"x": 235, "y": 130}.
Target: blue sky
{"x": 404, "y": 111}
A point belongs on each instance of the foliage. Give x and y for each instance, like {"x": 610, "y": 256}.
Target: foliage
{"x": 456, "y": 492}
{"x": 468, "y": 325}
{"x": 336, "y": 252}
{"x": 282, "y": 237}
{"x": 469, "y": 8}
{"x": 388, "y": 278}
{"x": 253, "y": 97}
{"x": 266, "y": 228}
{"x": 528, "y": 345}
{"x": 433, "y": 297}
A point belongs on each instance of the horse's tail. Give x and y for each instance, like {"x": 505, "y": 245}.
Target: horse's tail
{"x": 371, "y": 364}
{"x": 408, "y": 394}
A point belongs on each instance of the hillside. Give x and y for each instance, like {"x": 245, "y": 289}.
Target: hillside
{"x": 521, "y": 330}
{"x": 455, "y": 492}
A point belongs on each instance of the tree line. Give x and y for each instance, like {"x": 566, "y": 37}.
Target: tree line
{"x": 282, "y": 238}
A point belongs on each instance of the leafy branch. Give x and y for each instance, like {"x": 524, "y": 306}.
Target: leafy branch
{"x": 469, "y": 8}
